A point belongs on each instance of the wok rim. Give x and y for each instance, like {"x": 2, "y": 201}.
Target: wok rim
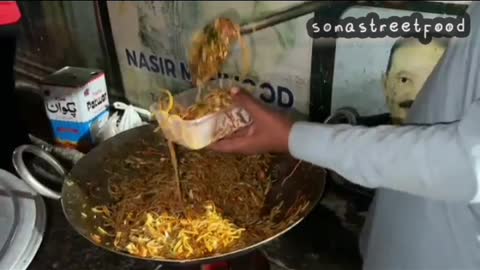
{"x": 201, "y": 260}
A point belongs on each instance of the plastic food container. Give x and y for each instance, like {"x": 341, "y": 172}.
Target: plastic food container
{"x": 199, "y": 133}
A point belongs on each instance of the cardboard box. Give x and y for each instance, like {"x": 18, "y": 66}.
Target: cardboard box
{"x": 76, "y": 102}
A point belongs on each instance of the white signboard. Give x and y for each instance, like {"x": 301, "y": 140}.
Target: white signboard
{"x": 152, "y": 39}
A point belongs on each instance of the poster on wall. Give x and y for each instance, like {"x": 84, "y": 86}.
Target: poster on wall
{"x": 152, "y": 39}
{"x": 382, "y": 75}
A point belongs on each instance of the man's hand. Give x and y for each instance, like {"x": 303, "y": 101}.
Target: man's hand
{"x": 269, "y": 131}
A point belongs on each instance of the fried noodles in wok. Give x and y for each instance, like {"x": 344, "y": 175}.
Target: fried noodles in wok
{"x": 219, "y": 207}
{"x": 223, "y": 197}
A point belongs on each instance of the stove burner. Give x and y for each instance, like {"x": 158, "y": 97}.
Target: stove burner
{"x": 216, "y": 266}
{"x": 251, "y": 261}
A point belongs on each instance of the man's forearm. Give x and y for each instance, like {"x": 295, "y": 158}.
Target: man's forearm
{"x": 426, "y": 161}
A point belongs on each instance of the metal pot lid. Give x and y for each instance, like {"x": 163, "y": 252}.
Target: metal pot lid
{"x": 22, "y": 222}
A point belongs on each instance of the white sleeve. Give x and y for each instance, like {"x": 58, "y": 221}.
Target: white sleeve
{"x": 437, "y": 161}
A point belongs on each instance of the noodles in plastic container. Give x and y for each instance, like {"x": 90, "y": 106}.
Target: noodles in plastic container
{"x": 202, "y": 115}
{"x": 196, "y": 125}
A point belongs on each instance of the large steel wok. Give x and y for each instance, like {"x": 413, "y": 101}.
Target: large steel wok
{"x": 306, "y": 180}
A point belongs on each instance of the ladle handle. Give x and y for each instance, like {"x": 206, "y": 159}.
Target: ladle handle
{"x": 25, "y": 174}
{"x": 288, "y": 14}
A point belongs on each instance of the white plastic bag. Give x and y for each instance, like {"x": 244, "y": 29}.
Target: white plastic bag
{"x": 108, "y": 129}
{"x": 144, "y": 114}
{"x": 130, "y": 119}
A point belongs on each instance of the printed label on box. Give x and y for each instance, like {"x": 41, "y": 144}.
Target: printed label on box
{"x": 74, "y": 133}
{"x": 76, "y": 104}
